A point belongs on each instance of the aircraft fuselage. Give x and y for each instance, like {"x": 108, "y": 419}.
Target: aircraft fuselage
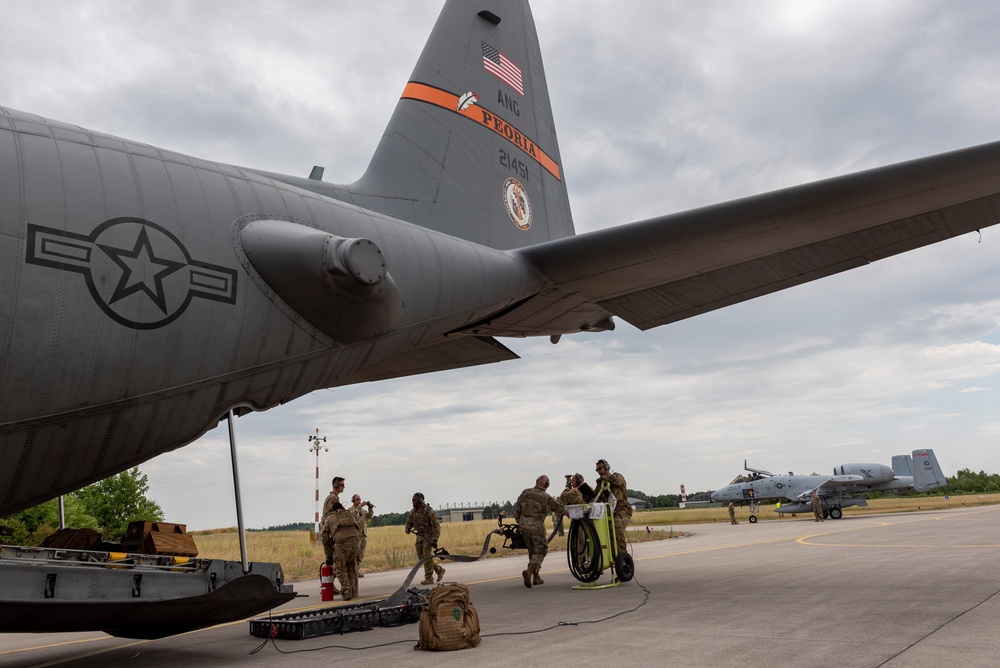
{"x": 132, "y": 298}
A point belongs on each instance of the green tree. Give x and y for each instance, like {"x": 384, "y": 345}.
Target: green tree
{"x": 118, "y": 500}
{"x": 389, "y": 519}
{"x": 666, "y": 501}
{"x": 31, "y": 525}
{"x": 14, "y": 532}
{"x": 636, "y": 494}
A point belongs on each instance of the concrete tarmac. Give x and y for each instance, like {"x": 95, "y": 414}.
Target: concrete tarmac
{"x": 901, "y": 590}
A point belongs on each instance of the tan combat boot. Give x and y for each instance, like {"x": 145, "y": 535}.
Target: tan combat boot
{"x": 528, "y": 574}
{"x": 428, "y": 580}
{"x": 439, "y": 569}
{"x": 536, "y": 578}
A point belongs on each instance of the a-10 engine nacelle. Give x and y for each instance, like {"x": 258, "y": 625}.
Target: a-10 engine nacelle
{"x": 872, "y": 473}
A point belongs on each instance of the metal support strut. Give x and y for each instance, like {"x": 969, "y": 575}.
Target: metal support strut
{"x": 239, "y": 505}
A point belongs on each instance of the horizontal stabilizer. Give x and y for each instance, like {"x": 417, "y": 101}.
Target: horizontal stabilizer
{"x": 705, "y": 259}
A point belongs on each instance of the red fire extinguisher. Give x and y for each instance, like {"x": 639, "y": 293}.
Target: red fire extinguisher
{"x": 326, "y": 582}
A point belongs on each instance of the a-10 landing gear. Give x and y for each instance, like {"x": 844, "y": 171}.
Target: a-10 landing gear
{"x": 831, "y": 513}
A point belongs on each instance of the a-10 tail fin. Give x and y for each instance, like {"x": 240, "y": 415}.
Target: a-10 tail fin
{"x": 927, "y": 473}
{"x": 902, "y": 465}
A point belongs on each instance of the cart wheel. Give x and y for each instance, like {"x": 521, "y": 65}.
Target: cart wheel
{"x": 836, "y": 513}
{"x": 624, "y": 566}
{"x": 753, "y": 519}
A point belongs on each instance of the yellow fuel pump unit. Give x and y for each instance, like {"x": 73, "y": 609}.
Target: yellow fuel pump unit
{"x": 591, "y": 547}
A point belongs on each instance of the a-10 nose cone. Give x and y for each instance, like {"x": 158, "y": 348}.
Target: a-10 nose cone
{"x": 724, "y": 494}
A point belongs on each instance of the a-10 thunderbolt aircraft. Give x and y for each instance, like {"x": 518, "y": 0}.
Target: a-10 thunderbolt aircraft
{"x": 843, "y": 489}
{"x": 146, "y": 294}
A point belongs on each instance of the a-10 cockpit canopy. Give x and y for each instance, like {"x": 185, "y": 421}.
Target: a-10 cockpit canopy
{"x": 752, "y": 474}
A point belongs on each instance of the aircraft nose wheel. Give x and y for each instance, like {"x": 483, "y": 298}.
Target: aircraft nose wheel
{"x": 753, "y": 519}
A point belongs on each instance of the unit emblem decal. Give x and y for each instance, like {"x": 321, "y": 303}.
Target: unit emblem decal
{"x": 467, "y": 100}
{"x": 516, "y": 201}
{"x": 137, "y": 272}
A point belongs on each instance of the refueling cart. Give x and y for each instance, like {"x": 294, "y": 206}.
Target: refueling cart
{"x": 592, "y": 548}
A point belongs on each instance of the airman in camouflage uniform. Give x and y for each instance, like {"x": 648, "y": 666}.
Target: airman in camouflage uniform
{"x": 363, "y": 511}
{"x": 817, "y": 507}
{"x": 572, "y": 496}
{"x": 530, "y": 511}
{"x": 559, "y": 518}
{"x": 424, "y": 522}
{"x": 623, "y": 509}
{"x": 346, "y": 537}
{"x": 326, "y": 531}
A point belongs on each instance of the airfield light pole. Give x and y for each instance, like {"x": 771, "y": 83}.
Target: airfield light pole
{"x": 316, "y": 440}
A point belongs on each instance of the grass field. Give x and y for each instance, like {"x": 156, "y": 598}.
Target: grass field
{"x": 390, "y": 547}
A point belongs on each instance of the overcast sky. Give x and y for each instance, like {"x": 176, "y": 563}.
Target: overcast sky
{"x": 660, "y": 107}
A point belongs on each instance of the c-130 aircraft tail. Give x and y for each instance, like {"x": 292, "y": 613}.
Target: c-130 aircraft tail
{"x": 436, "y": 166}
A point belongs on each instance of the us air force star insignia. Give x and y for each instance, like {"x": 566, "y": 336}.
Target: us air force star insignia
{"x": 137, "y": 272}
{"x": 518, "y": 205}
{"x": 134, "y": 277}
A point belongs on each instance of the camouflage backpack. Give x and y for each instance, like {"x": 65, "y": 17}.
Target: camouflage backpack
{"x": 449, "y": 621}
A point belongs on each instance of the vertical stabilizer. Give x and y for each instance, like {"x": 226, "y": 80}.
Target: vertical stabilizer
{"x": 927, "y": 472}
{"x": 902, "y": 465}
{"x": 471, "y": 148}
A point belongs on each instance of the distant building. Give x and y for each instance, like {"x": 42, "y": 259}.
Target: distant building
{"x": 638, "y": 504}
{"x": 460, "y": 513}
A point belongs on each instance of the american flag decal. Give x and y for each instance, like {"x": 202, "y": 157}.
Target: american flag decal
{"x": 501, "y": 67}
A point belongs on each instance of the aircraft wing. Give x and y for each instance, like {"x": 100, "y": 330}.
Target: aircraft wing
{"x": 677, "y": 266}
{"x": 832, "y": 485}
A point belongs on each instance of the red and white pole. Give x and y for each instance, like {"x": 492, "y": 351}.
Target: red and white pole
{"x": 316, "y": 519}
{"x": 315, "y": 440}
